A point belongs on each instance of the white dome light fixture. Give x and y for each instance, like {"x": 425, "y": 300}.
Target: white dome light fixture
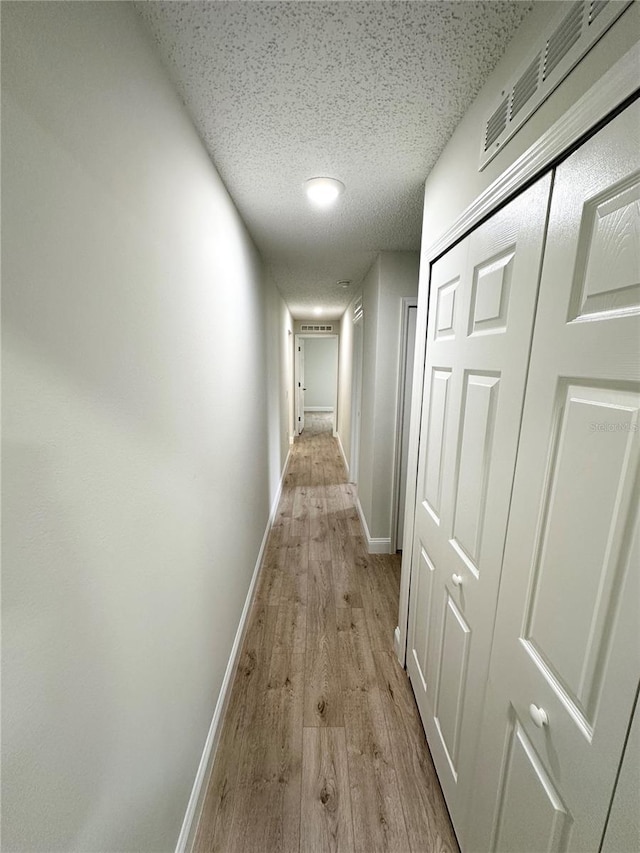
{"x": 323, "y": 192}
{"x": 317, "y": 311}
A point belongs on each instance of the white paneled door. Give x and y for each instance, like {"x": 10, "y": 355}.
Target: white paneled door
{"x": 566, "y": 660}
{"x": 481, "y": 310}
{"x": 300, "y": 389}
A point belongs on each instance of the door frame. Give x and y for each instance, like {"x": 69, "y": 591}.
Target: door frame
{"x": 296, "y": 370}
{"x": 602, "y": 101}
{"x": 356, "y": 397}
{"x": 407, "y": 302}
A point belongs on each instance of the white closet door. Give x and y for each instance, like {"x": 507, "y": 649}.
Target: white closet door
{"x": 566, "y": 657}
{"x": 482, "y": 303}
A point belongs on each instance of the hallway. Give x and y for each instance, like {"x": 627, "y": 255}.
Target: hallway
{"x": 322, "y": 748}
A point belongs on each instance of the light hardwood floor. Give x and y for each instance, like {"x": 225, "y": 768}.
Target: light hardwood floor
{"x": 322, "y": 748}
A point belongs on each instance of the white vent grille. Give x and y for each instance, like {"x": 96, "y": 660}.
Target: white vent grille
{"x": 304, "y": 328}
{"x": 496, "y": 124}
{"x": 596, "y": 6}
{"x": 568, "y": 39}
{"x": 563, "y": 39}
{"x": 526, "y": 86}
{"x": 357, "y": 309}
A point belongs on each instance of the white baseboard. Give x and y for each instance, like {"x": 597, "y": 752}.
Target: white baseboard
{"x": 196, "y": 800}
{"x": 318, "y": 408}
{"x": 344, "y": 456}
{"x": 396, "y": 644}
{"x": 374, "y": 546}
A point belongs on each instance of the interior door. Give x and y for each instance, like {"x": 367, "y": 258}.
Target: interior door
{"x": 566, "y": 659}
{"x": 481, "y": 309}
{"x": 300, "y": 389}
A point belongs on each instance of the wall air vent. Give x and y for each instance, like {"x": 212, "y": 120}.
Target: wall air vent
{"x": 563, "y": 39}
{"x": 526, "y": 86}
{"x": 304, "y": 328}
{"x": 496, "y": 124}
{"x": 569, "y": 38}
{"x": 595, "y": 7}
{"x": 357, "y": 309}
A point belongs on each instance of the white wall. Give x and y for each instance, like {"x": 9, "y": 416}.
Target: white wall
{"x": 280, "y": 377}
{"x": 320, "y": 373}
{"x": 392, "y": 276}
{"x": 139, "y": 462}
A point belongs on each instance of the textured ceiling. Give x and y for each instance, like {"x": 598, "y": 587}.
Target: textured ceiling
{"x": 368, "y": 92}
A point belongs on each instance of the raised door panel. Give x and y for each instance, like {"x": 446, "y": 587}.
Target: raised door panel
{"x": 476, "y": 447}
{"x": 567, "y": 636}
{"x": 452, "y": 677}
{"x": 422, "y": 648}
{"x": 435, "y": 440}
{"x": 532, "y": 816}
{"x": 482, "y": 302}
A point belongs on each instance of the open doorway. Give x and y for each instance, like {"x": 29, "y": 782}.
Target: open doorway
{"x": 403, "y": 417}
{"x": 316, "y": 377}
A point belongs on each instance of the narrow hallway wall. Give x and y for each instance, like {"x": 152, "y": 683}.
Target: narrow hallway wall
{"x": 393, "y": 276}
{"x": 140, "y": 456}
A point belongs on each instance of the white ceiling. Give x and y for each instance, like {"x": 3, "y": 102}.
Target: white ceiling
{"x": 367, "y": 92}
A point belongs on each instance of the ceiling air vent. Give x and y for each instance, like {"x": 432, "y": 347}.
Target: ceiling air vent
{"x": 570, "y": 36}
{"x": 304, "y": 328}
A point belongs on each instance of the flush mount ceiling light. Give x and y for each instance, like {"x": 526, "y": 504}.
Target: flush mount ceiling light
{"x": 317, "y": 311}
{"x": 344, "y": 282}
{"x": 323, "y": 192}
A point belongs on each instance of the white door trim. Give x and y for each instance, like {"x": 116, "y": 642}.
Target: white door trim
{"x": 295, "y": 377}
{"x": 607, "y": 94}
{"x": 407, "y": 303}
{"x": 356, "y": 400}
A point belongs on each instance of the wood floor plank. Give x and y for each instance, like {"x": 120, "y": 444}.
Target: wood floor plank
{"x": 217, "y": 829}
{"x": 426, "y": 815}
{"x": 269, "y": 589}
{"x": 326, "y": 824}
{"x": 323, "y": 683}
{"x": 272, "y": 805}
{"x": 345, "y": 583}
{"x": 321, "y": 604}
{"x": 354, "y": 645}
{"x": 378, "y": 820}
{"x": 376, "y": 804}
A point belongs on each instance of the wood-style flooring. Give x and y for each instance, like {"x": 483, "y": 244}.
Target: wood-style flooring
{"x": 322, "y": 748}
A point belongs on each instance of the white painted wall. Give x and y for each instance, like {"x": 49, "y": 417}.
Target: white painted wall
{"x": 280, "y": 377}
{"x": 320, "y": 373}
{"x": 392, "y": 276}
{"x": 139, "y": 458}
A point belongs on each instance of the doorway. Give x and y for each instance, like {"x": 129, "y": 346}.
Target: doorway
{"x": 316, "y": 378}
{"x": 403, "y": 417}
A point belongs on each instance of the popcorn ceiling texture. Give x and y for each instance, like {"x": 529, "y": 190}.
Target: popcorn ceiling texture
{"x": 368, "y": 92}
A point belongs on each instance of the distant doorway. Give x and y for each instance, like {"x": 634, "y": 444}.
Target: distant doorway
{"x": 316, "y": 378}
